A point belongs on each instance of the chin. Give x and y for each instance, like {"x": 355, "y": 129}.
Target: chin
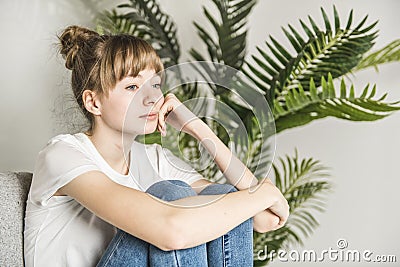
{"x": 150, "y": 128}
{"x": 140, "y": 129}
{"x": 150, "y": 131}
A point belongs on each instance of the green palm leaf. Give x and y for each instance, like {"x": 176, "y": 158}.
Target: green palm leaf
{"x": 336, "y": 50}
{"x": 305, "y": 184}
{"x": 230, "y": 46}
{"x": 145, "y": 20}
{"x": 390, "y": 53}
{"x": 297, "y": 81}
{"x": 301, "y": 107}
{"x": 110, "y": 22}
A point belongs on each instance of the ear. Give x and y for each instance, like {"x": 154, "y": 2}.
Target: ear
{"x": 91, "y": 101}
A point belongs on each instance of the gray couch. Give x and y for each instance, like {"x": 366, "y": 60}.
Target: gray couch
{"x": 13, "y": 193}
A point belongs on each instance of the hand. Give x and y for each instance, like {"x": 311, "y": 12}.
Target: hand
{"x": 265, "y": 221}
{"x": 280, "y": 208}
{"x": 176, "y": 114}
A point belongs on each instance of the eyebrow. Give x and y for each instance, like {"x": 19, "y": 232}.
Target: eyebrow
{"x": 140, "y": 76}
{"x": 130, "y": 75}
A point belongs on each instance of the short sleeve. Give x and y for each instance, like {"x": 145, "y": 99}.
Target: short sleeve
{"x": 56, "y": 165}
{"x": 173, "y": 168}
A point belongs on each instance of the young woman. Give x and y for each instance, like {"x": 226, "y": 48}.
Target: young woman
{"x": 101, "y": 198}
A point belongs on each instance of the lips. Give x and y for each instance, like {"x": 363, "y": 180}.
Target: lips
{"x": 150, "y": 115}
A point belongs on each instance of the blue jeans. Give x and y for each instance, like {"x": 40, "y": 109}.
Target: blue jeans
{"x": 234, "y": 248}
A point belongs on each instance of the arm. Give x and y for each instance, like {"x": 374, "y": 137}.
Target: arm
{"x": 263, "y": 221}
{"x": 175, "y": 227}
{"x": 232, "y": 168}
{"x": 235, "y": 172}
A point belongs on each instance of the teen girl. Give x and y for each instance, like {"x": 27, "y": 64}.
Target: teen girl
{"x": 100, "y": 198}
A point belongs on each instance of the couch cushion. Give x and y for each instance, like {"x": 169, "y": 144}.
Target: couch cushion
{"x": 14, "y": 188}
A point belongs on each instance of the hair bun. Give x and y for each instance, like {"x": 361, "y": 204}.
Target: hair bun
{"x": 72, "y": 40}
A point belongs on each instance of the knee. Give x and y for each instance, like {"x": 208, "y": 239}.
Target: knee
{"x": 218, "y": 189}
{"x": 170, "y": 190}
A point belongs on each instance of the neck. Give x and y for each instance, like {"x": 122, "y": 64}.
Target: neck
{"x": 114, "y": 146}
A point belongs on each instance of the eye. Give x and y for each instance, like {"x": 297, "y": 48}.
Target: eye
{"x": 132, "y": 87}
{"x": 157, "y": 85}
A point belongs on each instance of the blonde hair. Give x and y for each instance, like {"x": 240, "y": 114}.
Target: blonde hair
{"x": 98, "y": 62}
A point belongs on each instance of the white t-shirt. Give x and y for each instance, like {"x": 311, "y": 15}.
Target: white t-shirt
{"x": 61, "y": 232}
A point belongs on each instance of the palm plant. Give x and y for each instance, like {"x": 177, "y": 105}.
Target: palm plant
{"x": 300, "y": 87}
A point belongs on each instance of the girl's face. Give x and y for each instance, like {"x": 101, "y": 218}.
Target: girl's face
{"x": 132, "y": 106}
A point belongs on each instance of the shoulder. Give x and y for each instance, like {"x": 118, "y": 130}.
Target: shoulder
{"x": 63, "y": 138}
{"x": 61, "y": 160}
{"x": 61, "y": 143}
{"x": 62, "y": 148}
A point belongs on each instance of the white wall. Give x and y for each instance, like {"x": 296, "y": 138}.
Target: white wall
{"x": 32, "y": 75}
{"x": 362, "y": 156}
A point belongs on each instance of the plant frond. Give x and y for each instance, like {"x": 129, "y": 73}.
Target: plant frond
{"x": 146, "y": 20}
{"x": 305, "y": 184}
{"x": 111, "y": 22}
{"x": 301, "y": 107}
{"x": 388, "y": 54}
{"x": 267, "y": 242}
{"x": 229, "y": 47}
{"x": 336, "y": 50}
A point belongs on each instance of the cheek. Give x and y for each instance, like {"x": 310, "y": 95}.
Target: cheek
{"x": 114, "y": 112}
{"x": 132, "y": 123}
{"x": 134, "y": 108}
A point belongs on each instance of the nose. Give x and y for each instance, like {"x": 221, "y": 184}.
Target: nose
{"x": 152, "y": 95}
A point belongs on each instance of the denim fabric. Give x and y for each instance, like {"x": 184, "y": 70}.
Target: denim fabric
{"x": 234, "y": 248}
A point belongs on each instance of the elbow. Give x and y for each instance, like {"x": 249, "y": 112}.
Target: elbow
{"x": 173, "y": 242}
{"x": 174, "y": 239}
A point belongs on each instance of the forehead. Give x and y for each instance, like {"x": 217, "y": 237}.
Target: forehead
{"x": 144, "y": 74}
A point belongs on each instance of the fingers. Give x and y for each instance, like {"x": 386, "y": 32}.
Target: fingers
{"x": 280, "y": 208}
{"x": 161, "y": 122}
{"x": 283, "y": 219}
{"x": 279, "y": 222}
{"x": 275, "y": 219}
{"x": 176, "y": 114}
{"x": 161, "y": 130}
{"x": 165, "y": 109}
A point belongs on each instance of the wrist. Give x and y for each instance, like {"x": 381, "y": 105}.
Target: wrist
{"x": 269, "y": 191}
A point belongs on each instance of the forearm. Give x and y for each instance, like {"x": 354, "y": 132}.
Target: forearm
{"x": 233, "y": 168}
{"x": 216, "y": 215}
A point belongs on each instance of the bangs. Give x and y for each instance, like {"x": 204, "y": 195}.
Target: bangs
{"x": 126, "y": 55}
